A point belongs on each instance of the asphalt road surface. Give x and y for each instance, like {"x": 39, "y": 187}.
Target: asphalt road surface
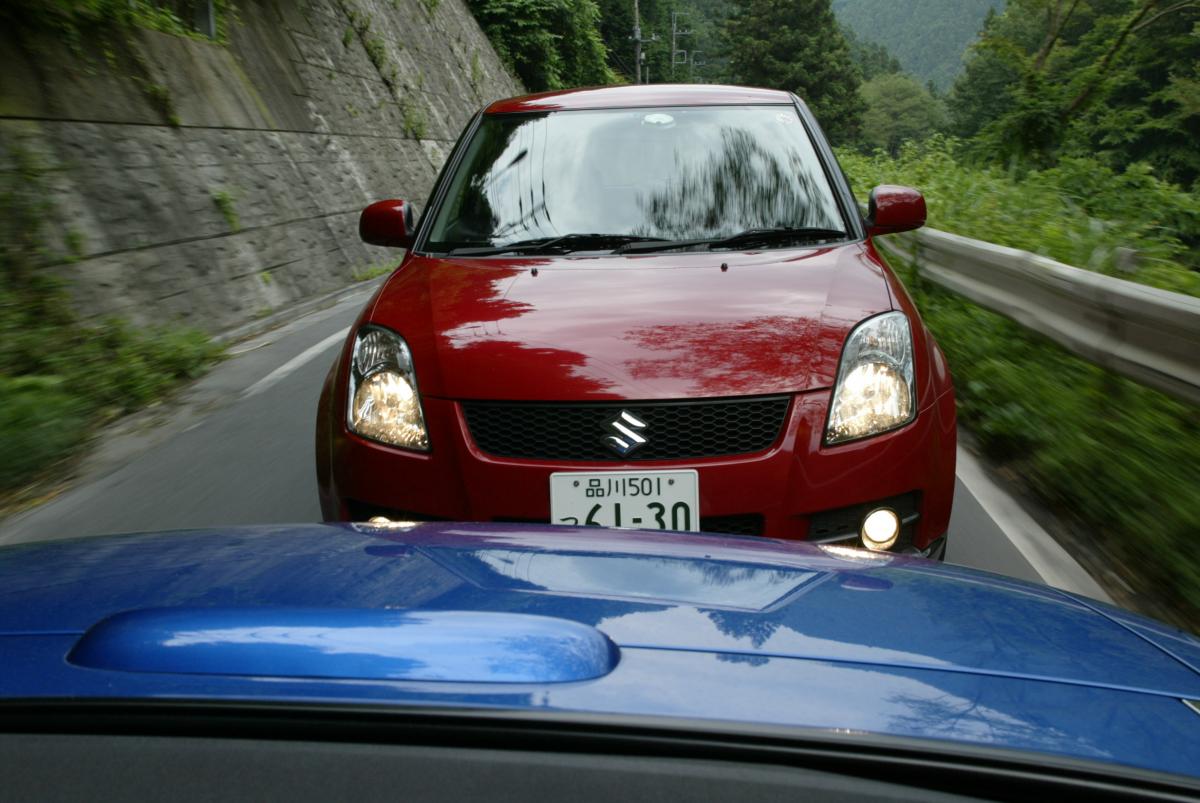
{"x": 237, "y": 448}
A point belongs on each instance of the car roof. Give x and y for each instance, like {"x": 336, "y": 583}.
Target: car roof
{"x": 616, "y": 97}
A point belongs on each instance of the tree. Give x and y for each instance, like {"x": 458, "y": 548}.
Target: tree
{"x": 1113, "y": 79}
{"x": 899, "y": 109}
{"x": 796, "y": 45}
{"x": 872, "y": 58}
{"x": 549, "y": 44}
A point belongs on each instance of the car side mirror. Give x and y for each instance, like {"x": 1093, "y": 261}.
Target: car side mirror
{"x": 387, "y": 223}
{"x": 893, "y": 209}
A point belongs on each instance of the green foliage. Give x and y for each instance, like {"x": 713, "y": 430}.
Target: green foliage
{"x": 375, "y": 47}
{"x": 703, "y": 42}
{"x": 1118, "y": 459}
{"x": 813, "y": 60}
{"x": 1117, "y": 80}
{"x": 368, "y": 272}
{"x": 549, "y": 44}
{"x": 40, "y": 421}
{"x": 412, "y": 119}
{"x": 431, "y": 5}
{"x": 59, "y": 376}
{"x": 376, "y": 52}
{"x": 160, "y": 98}
{"x": 928, "y": 37}
{"x": 225, "y": 204}
{"x": 73, "y": 240}
{"x": 898, "y": 110}
{"x": 1079, "y": 212}
{"x": 872, "y": 58}
{"x": 476, "y": 71}
{"x": 75, "y": 18}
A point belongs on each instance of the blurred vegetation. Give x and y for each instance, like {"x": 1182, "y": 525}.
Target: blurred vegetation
{"x": 1080, "y": 212}
{"x": 74, "y": 18}
{"x": 61, "y": 377}
{"x": 1118, "y": 460}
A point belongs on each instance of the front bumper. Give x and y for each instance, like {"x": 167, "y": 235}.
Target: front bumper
{"x": 791, "y": 490}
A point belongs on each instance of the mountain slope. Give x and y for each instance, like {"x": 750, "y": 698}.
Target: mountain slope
{"x": 927, "y": 36}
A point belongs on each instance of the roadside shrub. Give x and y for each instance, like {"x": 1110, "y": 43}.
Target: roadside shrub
{"x": 40, "y": 421}
{"x": 1080, "y": 212}
{"x": 60, "y": 377}
{"x": 1119, "y": 460}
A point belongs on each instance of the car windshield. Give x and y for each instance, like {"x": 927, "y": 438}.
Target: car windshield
{"x": 632, "y": 174}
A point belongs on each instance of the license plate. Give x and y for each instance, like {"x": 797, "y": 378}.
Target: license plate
{"x": 649, "y": 500}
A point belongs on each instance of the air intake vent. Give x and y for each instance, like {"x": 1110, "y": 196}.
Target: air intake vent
{"x": 677, "y": 430}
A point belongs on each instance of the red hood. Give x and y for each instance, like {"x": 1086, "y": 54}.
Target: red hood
{"x": 660, "y": 326}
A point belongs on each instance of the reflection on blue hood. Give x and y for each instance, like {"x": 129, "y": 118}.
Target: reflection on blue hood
{"x": 598, "y": 621}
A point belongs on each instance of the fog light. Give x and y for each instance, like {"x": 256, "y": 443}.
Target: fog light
{"x": 880, "y": 529}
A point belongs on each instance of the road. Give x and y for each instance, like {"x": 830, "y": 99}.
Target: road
{"x": 237, "y": 448}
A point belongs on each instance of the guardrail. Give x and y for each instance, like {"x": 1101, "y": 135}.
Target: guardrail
{"x": 1149, "y": 335}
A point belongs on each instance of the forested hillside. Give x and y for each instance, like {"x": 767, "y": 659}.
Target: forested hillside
{"x": 928, "y": 37}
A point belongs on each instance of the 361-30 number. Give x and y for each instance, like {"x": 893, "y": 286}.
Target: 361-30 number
{"x": 681, "y": 515}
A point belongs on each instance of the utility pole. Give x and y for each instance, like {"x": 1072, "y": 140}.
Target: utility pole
{"x": 637, "y": 43}
{"x": 675, "y": 34}
{"x": 638, "y": 55}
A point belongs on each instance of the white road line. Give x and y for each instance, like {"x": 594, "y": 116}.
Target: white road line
{"x": 295, "y": 362}
{"x": 1053, "y": 563}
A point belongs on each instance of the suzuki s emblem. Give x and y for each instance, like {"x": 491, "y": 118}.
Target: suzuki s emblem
{"x": 628, "y": 433}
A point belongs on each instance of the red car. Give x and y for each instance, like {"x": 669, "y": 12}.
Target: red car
{"x": 645, "y": 306}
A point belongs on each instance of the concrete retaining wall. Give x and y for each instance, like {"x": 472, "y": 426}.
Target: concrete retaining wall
{"x": 206, "y": 184}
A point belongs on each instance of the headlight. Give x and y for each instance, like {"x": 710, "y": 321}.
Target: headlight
{"x": 874, "y": 391}
{"x": 384, "y": 404}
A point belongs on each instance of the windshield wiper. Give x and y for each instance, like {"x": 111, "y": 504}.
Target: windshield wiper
{"x": 563, "y": 244}
{"x": 747, "y": 237}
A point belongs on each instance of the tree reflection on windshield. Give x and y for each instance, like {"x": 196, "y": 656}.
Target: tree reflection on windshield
{"x": 744, "y": 185}
{"x": 673, "y": 173}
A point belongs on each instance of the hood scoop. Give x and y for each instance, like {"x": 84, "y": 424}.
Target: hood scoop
{"x": 363, "y": 644}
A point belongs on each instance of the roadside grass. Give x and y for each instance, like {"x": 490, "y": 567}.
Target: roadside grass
{"x": 62, "y": 377}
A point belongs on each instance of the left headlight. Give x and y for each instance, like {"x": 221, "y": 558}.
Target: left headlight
{"x": 875, "y": 390}
{"x": 384, "y": 403}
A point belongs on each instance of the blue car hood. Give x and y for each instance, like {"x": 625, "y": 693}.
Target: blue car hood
{"x": 600, "y": 621}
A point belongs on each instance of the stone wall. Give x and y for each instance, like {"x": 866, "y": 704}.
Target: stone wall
{"x": 206, "y": 184}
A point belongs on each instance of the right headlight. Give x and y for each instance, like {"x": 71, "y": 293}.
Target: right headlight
{"x": 875, "y": 391}
{"x": 384, "y": 403}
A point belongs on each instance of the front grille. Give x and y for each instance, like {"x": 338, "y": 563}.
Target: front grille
{"x": 674, "y": 430}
